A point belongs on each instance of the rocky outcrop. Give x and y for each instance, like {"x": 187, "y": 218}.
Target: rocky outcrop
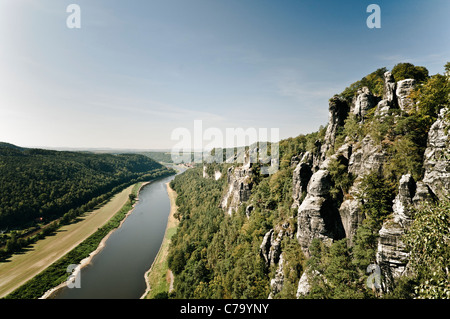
{"x": 217, "y": 174}
{"x": 239, "y": 188}
{"x": 317, "y": 217}
{"x": 304, "y": 284}
{"x": 389, "y": 89}
{"x": 272, "y": 254}
{"x": 364, "y": 102}
{"x": 351, "y": 215}
{"x": 404, "y": 200}
{"x": 363, "y": 158}
{"x": 337, "y": 113}
{"x": 300, "y": 178}
{"x": 383, "y": 108}
{"x": 392, "y": 255}
{"x": 404, "y": 88}
{"x": 276, "y": 284}
{"x": 270, "y": 248}
{"x": 248, "y": 210}
{"x": 437, "y": 158}
{"x": 366, "y": 157}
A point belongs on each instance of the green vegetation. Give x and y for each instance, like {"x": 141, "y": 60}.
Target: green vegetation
{"x": 56, "y": 273}
{"x": 42, "y": 190}
{"x": 428, "y": 240}
{"x": 374, "y": 81}
{"x": 403, "y": 137}
{"x": 162, "y": 157}
{"x": 404, "y": 71}
{"x": 343, "y": 266}
{"x": 214, "y": 255}
{"x": 340, "y": 277}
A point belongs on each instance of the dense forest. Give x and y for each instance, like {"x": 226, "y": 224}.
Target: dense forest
{"x": 38, "y": 186}
{"x": 217, "y": 255}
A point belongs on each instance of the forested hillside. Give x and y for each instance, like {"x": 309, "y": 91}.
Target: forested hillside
{"x": 40, "y": 185}
{"x": 369, "y": 191}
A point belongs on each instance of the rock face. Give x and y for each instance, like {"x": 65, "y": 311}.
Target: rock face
{"x": 217, "y": 174}
{"x": 437, "y": 158}
{"x": 270, "y": 248}
{"x": 300, "y": 178}
{"x": 351, "y": 216}
{"x": 338, "y": 111}
{"x": 366, "y": 157}
{"x": 239, "y": 188}
{"x": 271, "y": 252}
{"x": 404, "y": 88}
{"x": 389, "y": 88}
{"x": 303, "y": 285}
{"x": 392, "y": 255}
{"x": 403, "y": 201}
{"x": 317, "y": 217}
{"x": 364, "y": 102}
{"x": 276, "y": 284}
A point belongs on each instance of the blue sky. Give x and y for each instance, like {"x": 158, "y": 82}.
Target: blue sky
{"x": 136, "y": 70}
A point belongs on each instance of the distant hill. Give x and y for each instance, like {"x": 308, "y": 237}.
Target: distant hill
{"x": 37, "y": 183}
{"x": 8, "y": 145}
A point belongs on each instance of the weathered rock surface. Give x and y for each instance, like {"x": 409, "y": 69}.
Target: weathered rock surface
{"x": 276, "y": 284}
{"x": 300, "y": 178}
{"x": 337, "y": 113}
{"x": 389, "y": 88}
{"x": 303, "y": 285}
{"x": 317, "y": 217}
{"x": 403, "y": 201}
{"x": 248, "y": 210}
{"x": 351, "y": 216}
{"x": 392, "y": 255}
{"x": 404, "y": 88}
{"x": 366, "y": 157}
{"x": 363, "y": 103}
{"x": 383, "y": 108}
{"x": 437, "y": 158}
{"x": 270, "y": 248}
{"x": 239, "y": 188}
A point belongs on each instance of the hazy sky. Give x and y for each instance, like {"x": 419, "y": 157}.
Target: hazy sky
{"x": 136, "y": 70}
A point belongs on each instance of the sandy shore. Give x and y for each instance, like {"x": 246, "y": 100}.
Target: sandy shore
{"x": 161, "y": 257}
{"x": 20, "y": 268}
{"x": 86, "y": 261}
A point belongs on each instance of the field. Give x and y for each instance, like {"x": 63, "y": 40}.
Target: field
{"x": 22, "y": 267}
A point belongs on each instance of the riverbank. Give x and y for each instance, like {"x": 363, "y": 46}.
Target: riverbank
{"x": 31, "y": 274}
{"x": 86, "y": 261}
{"x": 159, "y": 278}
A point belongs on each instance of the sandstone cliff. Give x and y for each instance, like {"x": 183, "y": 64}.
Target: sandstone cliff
{"x": 320, "y": 214}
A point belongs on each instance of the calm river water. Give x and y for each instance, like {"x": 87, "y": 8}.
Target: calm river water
{"x": 117, "y": 271}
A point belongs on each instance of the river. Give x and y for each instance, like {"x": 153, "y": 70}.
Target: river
{"x": 117, "y": 271}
